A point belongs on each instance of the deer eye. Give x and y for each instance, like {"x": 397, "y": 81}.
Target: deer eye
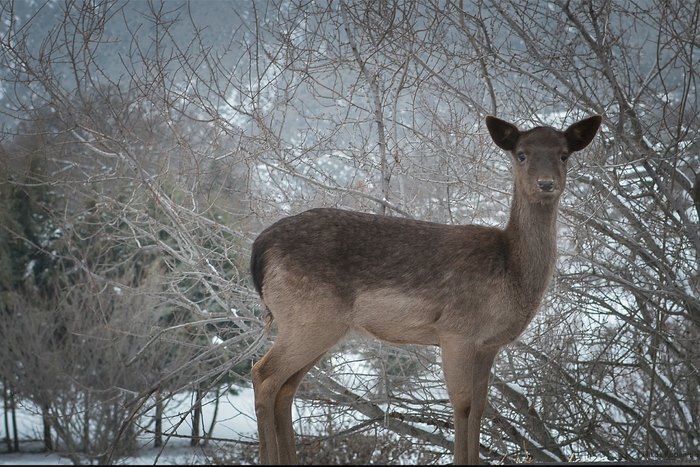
{"x": 521, "y": 157}
{"x": 564, "y": 156}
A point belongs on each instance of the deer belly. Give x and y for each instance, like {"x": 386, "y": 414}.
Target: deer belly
{"x": 396, "y": 316}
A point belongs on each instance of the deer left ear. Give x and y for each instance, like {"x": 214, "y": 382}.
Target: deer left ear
{"x": 580, "y": 134}
{"x": 504, "y": 134}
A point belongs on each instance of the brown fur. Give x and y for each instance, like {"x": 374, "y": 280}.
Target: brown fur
{"x": 469, "y": 289}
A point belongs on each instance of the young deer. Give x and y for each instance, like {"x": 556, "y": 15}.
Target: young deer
{"x": 469, "y": 289}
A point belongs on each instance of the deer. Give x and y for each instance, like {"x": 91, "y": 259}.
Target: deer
{"x": 467, "y": 289}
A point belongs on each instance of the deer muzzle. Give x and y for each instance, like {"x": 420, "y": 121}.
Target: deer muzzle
{"x": 546, "y": 184}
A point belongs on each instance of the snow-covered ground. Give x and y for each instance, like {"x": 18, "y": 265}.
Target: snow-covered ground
{"x": 175, "y": 453}
{"x": 235, "y": 421}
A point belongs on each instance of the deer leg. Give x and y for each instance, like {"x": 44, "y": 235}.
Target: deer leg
{"x": 283, "y": 415}
{"x": 275, "y": 379}
{"x": 481, "y": 371}
{"x": 457, "y": 363}
{"x": 264, "y": 410}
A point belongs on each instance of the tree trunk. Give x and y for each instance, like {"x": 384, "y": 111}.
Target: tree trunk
{"x": 159, "y": 420}
{"x": 86, "y": 424}
{"x": 196, "y": 416}
{"x": 46, "y": 419}
{"x": 5, "y": 416}
{"x": 15, "y": 434}
{"x": 213, "y": 418}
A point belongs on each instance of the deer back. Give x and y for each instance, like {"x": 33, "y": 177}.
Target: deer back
{"x": 356, "y": 252}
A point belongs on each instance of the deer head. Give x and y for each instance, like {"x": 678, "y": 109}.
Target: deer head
{"x": 540, "y": 154}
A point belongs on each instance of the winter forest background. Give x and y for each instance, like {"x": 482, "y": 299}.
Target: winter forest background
{"x": 144, "y": 144}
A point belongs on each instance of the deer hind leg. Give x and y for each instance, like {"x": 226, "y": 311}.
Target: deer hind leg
{"x": 275, "y": 380}
{"x": 264, "y": 412}
{"x": 283, "y": 415}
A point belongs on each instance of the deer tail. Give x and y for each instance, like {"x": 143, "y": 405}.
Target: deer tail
{"x": 257, "y": 271}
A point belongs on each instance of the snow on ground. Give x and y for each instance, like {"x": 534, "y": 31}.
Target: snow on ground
{"x": 235, "y": 421}
{"x": 176, "y": 453}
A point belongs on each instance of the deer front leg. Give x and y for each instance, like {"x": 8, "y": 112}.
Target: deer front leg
{"x": 467, "y": 372}
{"x": 457, "y": 363}
{"x": 481, "y": 370}
{"x": 461, "y": 423}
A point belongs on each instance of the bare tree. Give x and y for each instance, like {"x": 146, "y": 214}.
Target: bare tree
{"x": 181, "y": 141}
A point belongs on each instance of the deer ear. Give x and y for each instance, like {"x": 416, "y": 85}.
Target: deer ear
{"x": 504, "y": 134}
{"x": 580, "y": 134}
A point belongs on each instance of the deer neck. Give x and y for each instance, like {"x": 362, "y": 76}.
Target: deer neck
{"x": 531, "y": 234}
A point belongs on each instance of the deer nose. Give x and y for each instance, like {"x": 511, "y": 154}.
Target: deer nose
{"x": 546, "y": 184}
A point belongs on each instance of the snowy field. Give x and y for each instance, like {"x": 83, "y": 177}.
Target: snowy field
{"x": 235, "y": 421}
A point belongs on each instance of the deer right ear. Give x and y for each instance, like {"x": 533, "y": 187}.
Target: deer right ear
{"x": 580, "y": 134}
{"x": 504, "y": 134}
